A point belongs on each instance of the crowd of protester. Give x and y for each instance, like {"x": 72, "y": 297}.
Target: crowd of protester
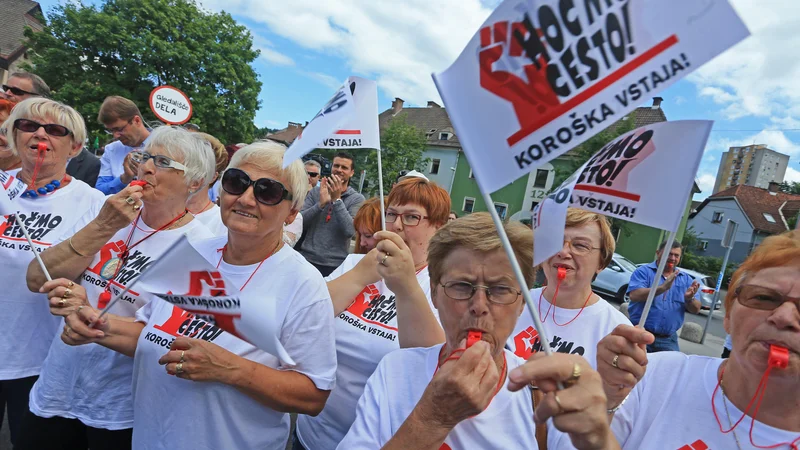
{"x": 412, "y": 337}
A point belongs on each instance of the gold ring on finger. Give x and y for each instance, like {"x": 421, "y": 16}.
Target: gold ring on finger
{"x": 70, "y": 284}
{"x": 183, "y": 352}
{"x": 576, "y": 374}
{"x": 179, "y": 368}
{"x": 137, "y": 207}
{"x": 615, "y": 362}
{"x": 62, "y": 303}
{"x": 130, "y": 200}
{"x": 383, "y": 261}
{"x": 67, "y": 293}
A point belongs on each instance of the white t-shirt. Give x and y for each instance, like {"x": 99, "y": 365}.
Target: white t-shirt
{"x": 28, "y": 325}
{"x": 671, "y": 409}
{"x": 212, "y": 219}
{"x": 90, "y": 382}
{"x": 296, "y": 228}
{"x": 579, "y": 337}
{"x": 218, "y": 416}
{"x": 365, "y": 332}
{"x": 396, "y": 387}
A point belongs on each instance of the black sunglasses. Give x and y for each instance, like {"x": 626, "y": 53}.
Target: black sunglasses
{"x": 16, "y": 90}
{"x": 29, "y": 126}
{"x": 265, "y": 190}
{"x": 313, "y": 174}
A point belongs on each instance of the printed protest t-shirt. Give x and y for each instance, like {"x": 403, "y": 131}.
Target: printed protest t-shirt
{"x": 670, "y": 408}
{"x": 90, "y": 382}
{"x": 28, "y": 325}
{"x": 365, "y": 332}
{"x": 215, "y": 415}
{"x": 398, "y": 384}
{"x": 578, "y": 337}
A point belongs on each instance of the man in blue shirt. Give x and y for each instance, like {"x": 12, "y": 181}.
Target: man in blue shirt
{"x": 122, "y": 119}
{"x": 677, "y": 292}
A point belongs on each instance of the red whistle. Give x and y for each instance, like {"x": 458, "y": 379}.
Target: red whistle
{"x": 562, "y": 273}
{"x": 42, "y": 147}
{"x": 141, "y": 183}
{"x": 670, "y": 266}
{"x": 778, "y": 357}
{"x": 473, "y": 337}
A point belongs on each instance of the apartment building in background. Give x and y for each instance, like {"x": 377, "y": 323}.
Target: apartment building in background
{"x": 751, "y": 165}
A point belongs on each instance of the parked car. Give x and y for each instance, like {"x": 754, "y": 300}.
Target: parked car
{"x": 613, "y": 280}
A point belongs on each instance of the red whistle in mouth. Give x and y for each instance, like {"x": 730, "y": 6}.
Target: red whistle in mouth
{"x": 41, "y": 147}
{"x": 778, "y": 357}
{"x": 138, "y": 183}
{"x": 562, "y": 273}
{"x": 473, "y": 337}
{"x": 670, "y": 266}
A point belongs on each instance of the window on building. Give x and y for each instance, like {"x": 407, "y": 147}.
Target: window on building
{"x": 702, "y": 245}
{"x": 444, "y": 136}
{"x": 717, "y": 218}
{"x": 769, "y": 217}
{"x": 502, "y": 209}
{"x": 541, "y": 178}
{"x": 435, "y": 166}
{"x": 469, "y": 204}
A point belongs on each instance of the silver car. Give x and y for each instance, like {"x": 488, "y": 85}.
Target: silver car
{"x": 613, "y": 280}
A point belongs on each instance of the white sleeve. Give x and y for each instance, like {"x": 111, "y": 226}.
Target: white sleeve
{"x": 293, "y": 231}
{"x": 345, "y": 266}
{"x": 144, "y": 313}
{"x": 105, "y": 165}
{"x": 370, "y": 430}
{"x": 312, "y": 324}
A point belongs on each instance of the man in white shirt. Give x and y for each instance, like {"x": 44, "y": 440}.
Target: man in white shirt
{"x": 122, "y": 119}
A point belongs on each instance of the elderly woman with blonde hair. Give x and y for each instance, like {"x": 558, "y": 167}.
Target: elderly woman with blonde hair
{"x": 42, "y": 135}
{"x": 223, "y": 392}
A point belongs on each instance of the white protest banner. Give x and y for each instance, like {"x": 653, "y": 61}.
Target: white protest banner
{"x": 170, "y": 105}
{"x": 12, "y": 187}
{"x": 360, "y": 129}
{"x": 187, "y": 280}
{"x": 644, "y": 176}
{"x": 542, "y": 76}
{"x": 328, "y": 120}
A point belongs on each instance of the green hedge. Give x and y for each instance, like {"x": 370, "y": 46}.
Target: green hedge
{"x": 708, "y": 265}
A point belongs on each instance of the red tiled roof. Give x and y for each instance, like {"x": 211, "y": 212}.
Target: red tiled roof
{"x": 755, "y": 202}
{"x": 17, "y": 14}
{"x": 287, "y": 135}
{"x": 431, "y": 120}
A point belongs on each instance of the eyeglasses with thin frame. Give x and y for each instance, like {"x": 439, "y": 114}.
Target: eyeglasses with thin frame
{"x": 579, "y": 247}
{"x": 464, "y": 290}
{"x": 763, "y": 298}
{"x": 30, "y": 126}
{"x": 119, "y": 129}
{"x": 409, "y": 220}
{"x": 161, "y": 161}
{"x": 313, "y": 174}
{"x": 265, "y": 190}
{"x": 17, "y": 91}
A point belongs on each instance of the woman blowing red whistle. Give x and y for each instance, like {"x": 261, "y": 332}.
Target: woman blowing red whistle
{"x": 574, "y": 318}
{"x": 750, "y": 400}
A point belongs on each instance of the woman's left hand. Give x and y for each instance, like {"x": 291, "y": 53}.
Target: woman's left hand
{"x": 199, "y": 360}
{"x": 395, "y": 262}
{"x": 579, "y": 409}
{"x": 65, "y": 296}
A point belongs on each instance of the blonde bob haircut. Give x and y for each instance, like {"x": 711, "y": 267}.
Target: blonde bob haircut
{"x": 268, "y": 156}
{"x": 46, "y": 111}
{"x": 577, "y": 217}
{"x": 476, "y": 232}
{"x": 220, "y": 155}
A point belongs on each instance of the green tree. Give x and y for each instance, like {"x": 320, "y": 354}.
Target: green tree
{"x": 402, "y": 146}
{"x": 128, "y": 47}
{"x": 791, "y": 187}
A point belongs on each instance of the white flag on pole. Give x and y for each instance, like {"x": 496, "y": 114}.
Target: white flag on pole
{"x": 542, "y": 76}
{"x": 360, "y": 129}
{"x": 12, "y": 188}
{"x": 187, "y": 280}
{"x": 329, "y": 119}
{"x": 644, "y": 176}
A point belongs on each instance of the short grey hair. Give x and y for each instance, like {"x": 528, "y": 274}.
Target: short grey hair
{"x": 39, "y": 86}
{"x": 311, "y": 162}
{"x": 46, "y": 110}
{"x": 268, "y": 156}
{"x": 190, "y": 148}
